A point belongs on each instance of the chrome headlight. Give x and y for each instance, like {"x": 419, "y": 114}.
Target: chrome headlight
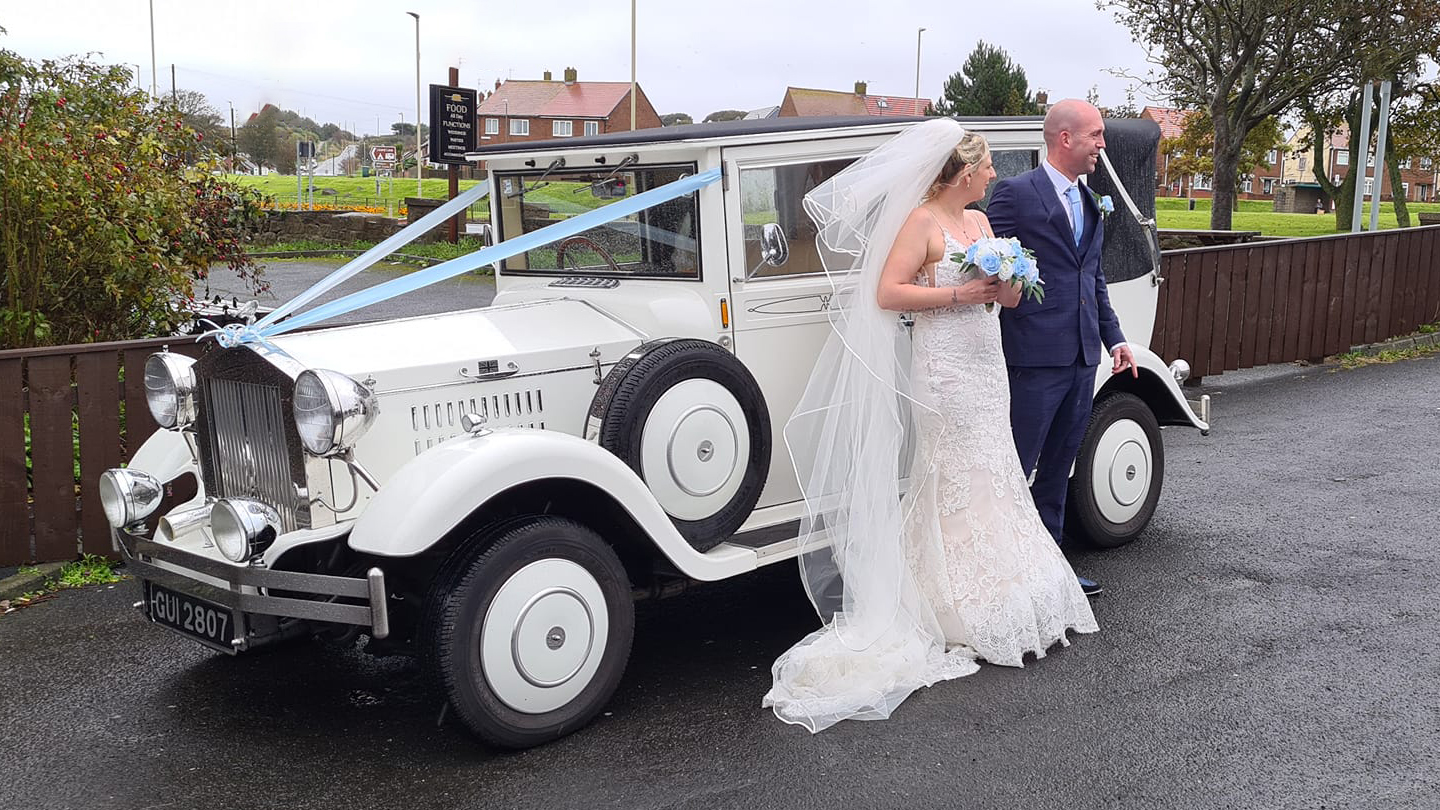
{"x": 129, "y": 496}
{"x": 241, "y": 529}
{"x": 1180, "y": 370}
{"x": 332, "y": 411}
{"x": 170, "y": 389}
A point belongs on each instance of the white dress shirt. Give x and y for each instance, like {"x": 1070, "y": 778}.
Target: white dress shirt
{"x": 1063, "y": 184}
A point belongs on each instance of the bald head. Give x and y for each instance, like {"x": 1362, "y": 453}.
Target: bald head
{"x": 1074, "y": 136}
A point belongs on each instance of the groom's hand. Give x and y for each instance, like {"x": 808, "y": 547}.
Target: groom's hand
{"x": 1124, "y": 359}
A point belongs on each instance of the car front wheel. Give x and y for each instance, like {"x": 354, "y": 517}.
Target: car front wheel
{"x": 531, "y": 635}
{"x": 1117, "y": 474}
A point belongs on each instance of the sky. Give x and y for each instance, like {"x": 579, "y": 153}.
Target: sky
{"x": 356, "y": 68}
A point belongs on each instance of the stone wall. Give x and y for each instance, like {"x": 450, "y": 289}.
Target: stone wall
{"x": 325, "y": 226}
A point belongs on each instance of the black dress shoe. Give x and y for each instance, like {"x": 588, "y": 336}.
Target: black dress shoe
{"x": 1090, "y": 586}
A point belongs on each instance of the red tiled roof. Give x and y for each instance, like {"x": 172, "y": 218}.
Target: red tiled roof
{"x": 809, "y": 102}
{"x": 1171, "y": 121}
{"x": 554, "y": 99}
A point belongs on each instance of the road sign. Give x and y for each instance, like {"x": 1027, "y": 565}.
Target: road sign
{"x": 452, "y": 124}
{"x": 382, "y": 154}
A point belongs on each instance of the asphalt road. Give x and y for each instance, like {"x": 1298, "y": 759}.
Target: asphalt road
{"x": 1269, "y": 643}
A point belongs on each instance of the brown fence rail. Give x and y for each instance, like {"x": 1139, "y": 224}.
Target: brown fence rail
{"x": 1220, "y": 308}
{"x": 1233, "y": 307}
{"x": 84, "y": 410}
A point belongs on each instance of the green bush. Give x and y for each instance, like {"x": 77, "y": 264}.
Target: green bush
{"x": 109, "y": 211}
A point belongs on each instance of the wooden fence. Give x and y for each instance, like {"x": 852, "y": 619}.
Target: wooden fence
{"x": 83, "y": 408}
{"x": 1233, "y": 307}
{"x": 1220, "y": 308}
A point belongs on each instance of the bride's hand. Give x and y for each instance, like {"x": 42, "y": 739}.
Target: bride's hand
{"x": 978, "y": 291}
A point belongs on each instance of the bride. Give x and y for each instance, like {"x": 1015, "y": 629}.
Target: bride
{"x": 917, "y": 573}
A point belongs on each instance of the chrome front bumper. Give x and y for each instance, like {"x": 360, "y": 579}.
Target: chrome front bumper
{"x": 248, "y": 589}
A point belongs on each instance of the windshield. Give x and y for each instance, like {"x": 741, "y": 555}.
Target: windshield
{"x": 658, "y": 242}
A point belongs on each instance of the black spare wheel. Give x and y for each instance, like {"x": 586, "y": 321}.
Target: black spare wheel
{"x": 690, "y": 420}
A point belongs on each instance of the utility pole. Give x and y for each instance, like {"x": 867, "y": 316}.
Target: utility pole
{"x": 632, "y": 65}
{"x": 1380, "y": 136}
{"x": 233, "y": 149}
{"x": 153, "y": 91}
{"x": 419, "y": 186}
{"x": 917, "y": 61}
{"x": 174, "y": 99}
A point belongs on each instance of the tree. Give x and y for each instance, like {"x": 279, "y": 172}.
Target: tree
{"x": 196, "y": 113}
{"x": 1243, "y": 61}
{"x": 1403, "y": 36}
{"x": 724, "y": 115}
{"x": 671, "y": 119}
{"x": 1193, "y": 151}
{"x": 104, "y": 228}
{"x": 260, "y": 137}
{"x": 988, "y": 84}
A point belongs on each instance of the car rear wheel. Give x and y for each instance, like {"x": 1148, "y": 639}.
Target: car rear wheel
{"x": 531, "y": 635}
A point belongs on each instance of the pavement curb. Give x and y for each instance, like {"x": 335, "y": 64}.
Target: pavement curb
{"x": 1416, "y": 341}
{"x": 28, "y": 580}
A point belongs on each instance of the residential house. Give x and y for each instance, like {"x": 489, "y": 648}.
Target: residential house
{"x": 1258, "y": 184}
{"x": 529, "y": 110}
{"x": 804, "y": 101}
{"x": 1418, "y": 176}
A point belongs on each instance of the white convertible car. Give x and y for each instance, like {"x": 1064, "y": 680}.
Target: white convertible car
{"x": 492, "y": 489}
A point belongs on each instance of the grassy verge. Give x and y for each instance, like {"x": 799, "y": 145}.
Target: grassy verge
{"x": 429, "y": 250}
{"x": 1350, "y": 360}
{"x": 90, "y": 569}
{"x": 1259, "y": 215}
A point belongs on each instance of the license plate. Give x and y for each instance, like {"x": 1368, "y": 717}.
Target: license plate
{"x": 203, "y": 621}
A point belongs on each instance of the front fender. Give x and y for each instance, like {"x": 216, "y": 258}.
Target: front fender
{"x": 439, "y": 488}
{"x": 1158, "y": 382}
{"x": 167, "y": 455}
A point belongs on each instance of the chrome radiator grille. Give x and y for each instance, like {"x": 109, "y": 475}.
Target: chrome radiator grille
{"x": 247, "y": 430}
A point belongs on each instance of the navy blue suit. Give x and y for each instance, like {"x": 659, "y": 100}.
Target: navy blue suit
{"x": 1052, "y": 347}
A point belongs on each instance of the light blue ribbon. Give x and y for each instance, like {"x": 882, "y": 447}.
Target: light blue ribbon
{"x": 467, "y": 263}
{"x": 397, "y": 240}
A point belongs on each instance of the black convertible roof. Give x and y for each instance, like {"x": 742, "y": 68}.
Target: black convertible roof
{"x": 720, "y": 129}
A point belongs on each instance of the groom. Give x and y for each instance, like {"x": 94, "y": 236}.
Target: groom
{"x": 1052, "y": 347}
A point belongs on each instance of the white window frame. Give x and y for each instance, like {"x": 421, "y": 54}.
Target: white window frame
{"x": 1405, "y": 190}
{"x": 592, "y": 127}
{"x": 1370, "y": 187}
{"x": 1369, "y": 160}
{"x": 1200, "y": 182}
{"x": 492, "y": 126}
{"x": 1267, "y": 186}
{"x": 519, "y": 126}
{"x": 562, "y": 129}
{"x": 1342, "y": 157}
{"x": 1425, "y": 162}
{"x": 1273, "y": 157}
{"x": 1248, "y": 185}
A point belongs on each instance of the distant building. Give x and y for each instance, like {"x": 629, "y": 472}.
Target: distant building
{"x": 804, "y": 101}
{"x": 528, "y": 110}
{"x": 1258, "y": 184}
{"x": 763, "y": 112}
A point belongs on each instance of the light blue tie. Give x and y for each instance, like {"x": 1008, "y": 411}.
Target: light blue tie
{"x": 1077, "y": 217}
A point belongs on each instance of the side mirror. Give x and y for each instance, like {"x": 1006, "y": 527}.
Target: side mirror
{"x": 774, "y": 247}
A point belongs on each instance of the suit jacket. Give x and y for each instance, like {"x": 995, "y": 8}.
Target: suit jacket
{"x": 1075, "y": 322}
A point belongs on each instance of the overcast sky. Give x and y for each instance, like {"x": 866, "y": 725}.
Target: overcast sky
{"x": 694, "y": 56}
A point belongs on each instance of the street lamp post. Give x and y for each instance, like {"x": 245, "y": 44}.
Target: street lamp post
{"x": 233, "y": 149}
{"x": 917, "y": 61}
{"x": 153, "y": 90}
{"x": 417, "y": 103}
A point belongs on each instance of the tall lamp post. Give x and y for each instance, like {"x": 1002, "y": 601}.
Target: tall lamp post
{"x": 632, "y": 65}
{"x": 233, "y": 149}
{"x": 417, "y": 103}
{"x": 917, "y": 61}
{"x": 153, "y": 89}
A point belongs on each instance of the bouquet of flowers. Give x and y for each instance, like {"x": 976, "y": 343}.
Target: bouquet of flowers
{"x": 1006, "y": 260}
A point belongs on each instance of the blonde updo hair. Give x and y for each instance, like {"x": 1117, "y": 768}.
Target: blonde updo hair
{"x": 962, "y": 162}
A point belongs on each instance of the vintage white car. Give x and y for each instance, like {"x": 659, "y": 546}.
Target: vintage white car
{"x": 492, "y": 489}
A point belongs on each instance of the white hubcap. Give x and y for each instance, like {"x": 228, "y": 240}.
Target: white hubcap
{"x": 694, "y": 448}
{"x": 1122, "y": 470}
{"x": 544, "y": 636}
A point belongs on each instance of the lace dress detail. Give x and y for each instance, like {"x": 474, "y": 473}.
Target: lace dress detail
{"x": 980, "y": 554}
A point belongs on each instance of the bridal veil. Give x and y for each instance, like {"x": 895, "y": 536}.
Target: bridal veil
{"x": 848, "y": 439}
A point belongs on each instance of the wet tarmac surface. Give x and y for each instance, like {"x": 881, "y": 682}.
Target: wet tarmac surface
{"x": 1268, "y": 643}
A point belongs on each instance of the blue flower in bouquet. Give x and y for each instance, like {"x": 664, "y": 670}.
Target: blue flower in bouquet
{"x": 1104, "y": 203}
{"x": 1026, "y": 269}
{"x": 990, "y": 262}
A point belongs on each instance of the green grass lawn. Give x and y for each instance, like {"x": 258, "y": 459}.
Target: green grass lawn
{"x": 1259, "y": 215}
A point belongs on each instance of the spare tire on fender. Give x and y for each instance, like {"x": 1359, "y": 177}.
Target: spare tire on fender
{"x": 690, "y": 420}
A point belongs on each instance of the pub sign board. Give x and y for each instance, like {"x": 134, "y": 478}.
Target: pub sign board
{"x": 452, "y": 124}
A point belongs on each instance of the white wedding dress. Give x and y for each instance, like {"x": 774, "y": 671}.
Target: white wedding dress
{"x": 913, "y": 586}
{"x": 977, "y": 548}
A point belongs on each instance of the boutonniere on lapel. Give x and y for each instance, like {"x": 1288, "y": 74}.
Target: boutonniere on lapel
{"x": 1105, "y": 204}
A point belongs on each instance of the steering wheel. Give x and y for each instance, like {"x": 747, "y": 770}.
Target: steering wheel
{"x": 587, "y": 243}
